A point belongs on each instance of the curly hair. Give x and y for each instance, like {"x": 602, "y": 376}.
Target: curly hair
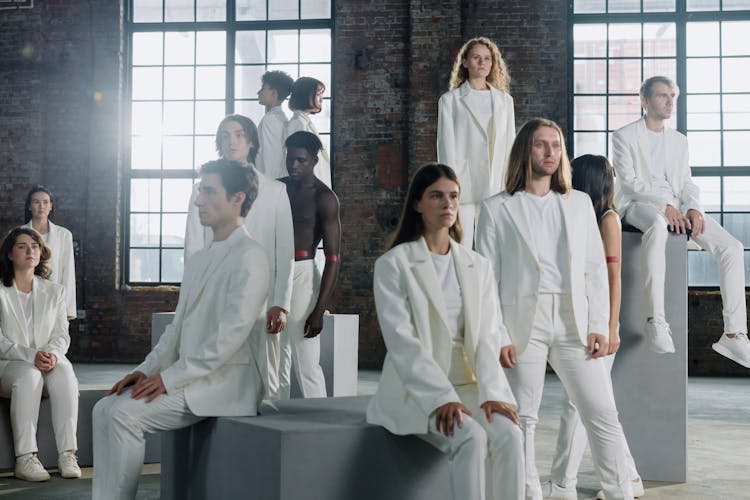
{"x": 498, "y": 77}
{"x": 7, "y": 272}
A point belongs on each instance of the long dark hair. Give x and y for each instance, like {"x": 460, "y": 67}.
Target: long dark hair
{"x": 7, "y": 272}
{"x": 27, "y": 207}
{"x": 410, "y": 225}
{"x": 595, "y": 176}
{"x": 251, "y": 134}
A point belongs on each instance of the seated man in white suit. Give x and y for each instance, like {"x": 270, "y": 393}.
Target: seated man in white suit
{"x": 269, "y": 222}
{"x": 654, "y": 190}
{"x": 206, "y": 362}
{"x": 543, "y": 241}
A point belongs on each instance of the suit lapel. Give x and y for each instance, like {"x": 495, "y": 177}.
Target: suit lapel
{"x": 643, "y": 150}
{"x": 463, "y": 93}
{"x": 424, "y": 271}
{"x": 38, "y": 299}
{"x": 517, "y": 214}
{"x": 15, "y": 305}
{"x": 568, "y": 216}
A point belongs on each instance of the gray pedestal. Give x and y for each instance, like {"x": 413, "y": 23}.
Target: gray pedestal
{"x": 651, "y": 389}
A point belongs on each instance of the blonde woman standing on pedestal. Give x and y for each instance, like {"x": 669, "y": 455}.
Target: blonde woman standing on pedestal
{"x": 476, "y": 126}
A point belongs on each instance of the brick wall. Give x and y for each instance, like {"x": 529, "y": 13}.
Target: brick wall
{"x": 392, "y": 60}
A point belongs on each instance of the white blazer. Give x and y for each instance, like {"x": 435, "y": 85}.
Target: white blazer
{"x": 411, "y": 312}
{"x": 301, "y": 121}
{"x": 269, "y": 222}
{"x": 50, "y": 323}
{"x": 208, "y": 349}
{"x": 631, "y": 157}
{"x": 504, "y": 236}
{"x": 464, "y": 145}
{"x": 62, "y": 264}
{"x": 270, "y": 159}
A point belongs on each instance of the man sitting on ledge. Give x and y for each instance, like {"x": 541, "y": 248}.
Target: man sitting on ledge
{"x": 206, "y": 362}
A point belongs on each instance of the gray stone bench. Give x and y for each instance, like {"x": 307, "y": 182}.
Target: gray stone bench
{"x": 313, "y": 449}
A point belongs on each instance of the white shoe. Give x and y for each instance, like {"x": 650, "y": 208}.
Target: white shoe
{"x": 29, "y": 468}
{"x": 67, "y": 463}
{"x": 659, "y": 336}
{"x": 637, "y": 486}
{"x": 552, "y": 490}
{"x": 736, "y": 348}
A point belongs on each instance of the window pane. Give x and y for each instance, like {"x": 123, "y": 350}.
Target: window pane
{"x": 315, "y": 45}
{"x": 178, "y": 10}
{"x": 623, "y": 110}
{"x": 316, "y": 9}
{"x": 702, "y": 269}
{"x": 178, "y": 82}
{"x": 211, "y": 10}
{"x": 291, "y": 69}
{"x": 736, "y": 111}
{"x": 146, "y": 11}
{"x": 251, "y": 109}
{"x": 590, "y": 77}
{"x": 250, "y": 47}
{"x": 735, "y": 5}
{"x": 734, "y": 38}
{"x": 710, "y": 192}
{"x": 321, "y": 72}
{"x": 704, "y": 149}
{"x": 211, "y": 47}
{"x": 589, "y": 113}
{"x": 171, "y": 265}
{"x": 146, "y": 118}
{"x": 173, "y": 229}
{"x": 702, "y": 5}
{"x": 703, "y": 112}
{"x": 147, "y": 48}
{"x": 624, "y": 6}
{"x": 178, "y": 153}
{"x": 247, "y": 81}
{"x": 210, "y": 82}
{"x": 179, "y": 47}
{"x": 738, "y": 226}
{"x": 658, "y": 6}
{"x": 145, "y": 195}
{"x": 735, "y": 194}
{"x": 178, "y": 117}
{"x": 653, "y": 67}
{"x": 208, "y": 114}
{"x": 624, "y": 75}
{"x": 145, "y": 153}
{"x": 282, "y": 46}
{"x": 144, "y": 265}
{"x": 590, "y": 40}
{"x": 588, "y": 6}
{"x": 702, "y": 75}
{"x": 659, "y": 39}
{"x": 702, "y": 39}
{"x": 594, "y": 143}
{"x": 736, "y": 74}
{"x": 283, "y": 9}
{"x": 251, "y": 10}
{"x": 205, "y": 148}
{"x": 735, "y": 151}
{"x": 176, "y": 195}
{"x": 625, "y": 40}
{"x": 144, "y": 230}
{"x": 146, "y": 83}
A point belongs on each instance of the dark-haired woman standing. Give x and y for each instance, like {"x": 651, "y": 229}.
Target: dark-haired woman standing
{"x": 307, "y": 99}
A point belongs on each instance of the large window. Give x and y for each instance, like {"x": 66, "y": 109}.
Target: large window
{"x": 702, "y": 45}
{"x": 191, "y": 62}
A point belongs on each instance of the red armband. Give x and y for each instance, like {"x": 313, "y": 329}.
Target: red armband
{"x": 301, "y": 254}
{"x": 612, "y": 260}
{"x": 334, "y": 257}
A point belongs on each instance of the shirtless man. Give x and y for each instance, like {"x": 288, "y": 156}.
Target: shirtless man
{"x": 315, "y": 216}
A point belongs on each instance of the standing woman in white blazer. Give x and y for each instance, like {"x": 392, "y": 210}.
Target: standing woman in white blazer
{"x": 476, "y": 126}
{"x": 39, "y": 212}
{"x": 307, "y": 99}
{"x": 440, "y": 318}
{"x": 33, "y": 342}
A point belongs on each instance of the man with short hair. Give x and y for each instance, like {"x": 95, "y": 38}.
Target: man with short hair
{"x": 315, "y": 211}
{"x": 275, "y": 88}
{"x": 655, "y": 192}
{"x": 206, "y": 364}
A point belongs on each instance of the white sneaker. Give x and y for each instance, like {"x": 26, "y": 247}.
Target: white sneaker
{"x": 637, "y": 486}
{"x": 736, "y": 348}
{"x": 67, "y": 463}
{"x": 552, "y": 490}
{"x": 29, "y": 468}
{"x": 659, "y": 336}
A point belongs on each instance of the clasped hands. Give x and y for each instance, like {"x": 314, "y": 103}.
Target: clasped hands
{"x": 45, "y": 362}
{"x": 450, "y": 414}
{"x": 680, "y": 223}
{"x": 142, "y": 386}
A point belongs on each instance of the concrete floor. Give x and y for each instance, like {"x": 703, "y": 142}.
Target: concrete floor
{"x": 718, "y": 444}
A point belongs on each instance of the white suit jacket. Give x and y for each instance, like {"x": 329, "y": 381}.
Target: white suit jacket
{"x": 411, "y": 312}
{"x": 50, "y": 323}
{"x": 631, "y": 157}
{"x": 463, "y": 143}
{"x": 301, "y": 121}
{"x": 271, "y": 160}
{"x": 269, "y": 222}
{"x": 504, "y": 237}
{"x": 208, "y": 348}
{"x": 62, "y": 264}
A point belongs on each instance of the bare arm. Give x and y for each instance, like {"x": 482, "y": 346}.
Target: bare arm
{"x": 609, "y": 227}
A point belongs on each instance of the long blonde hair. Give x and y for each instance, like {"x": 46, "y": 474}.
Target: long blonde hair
{"x": 498, "y": 77}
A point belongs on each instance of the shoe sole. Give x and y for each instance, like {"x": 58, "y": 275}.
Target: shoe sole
{"x": 32, "y": 480}
{"x": 730, "y": 355}
{"x": 653, "y": 349}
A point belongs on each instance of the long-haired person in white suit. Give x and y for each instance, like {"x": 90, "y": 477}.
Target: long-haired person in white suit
{"x": 476, "y": 126}
{"x": 39, "y": 211}
{"x": 33, "y": 342}
{"x": 307, "y": 99}
{"x": 437, "y": 308}
{"x": 543, "y": 241}
{"x": 595, "y": 176}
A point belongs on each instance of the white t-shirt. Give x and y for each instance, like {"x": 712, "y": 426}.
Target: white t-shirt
{"x": 27, "y": 304}
{"x": 658, "y": 150}
{"x": 480, "y": 102}
{"x": 446, "y": 273}
{"x": 548, "y": 232}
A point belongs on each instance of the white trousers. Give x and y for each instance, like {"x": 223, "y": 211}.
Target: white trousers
{"x": 572, "y": 442}
{"x": 477, "y": 443}
{"x": 468, "y": 213}
{"x": 273, "y": 357}
{"x": 728, "y": 252}
{"x": 304, "y": 353}
{"x": 587, "y": 382}
{"x": 24, "y": 384}
{"x": 120, "y": 423}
